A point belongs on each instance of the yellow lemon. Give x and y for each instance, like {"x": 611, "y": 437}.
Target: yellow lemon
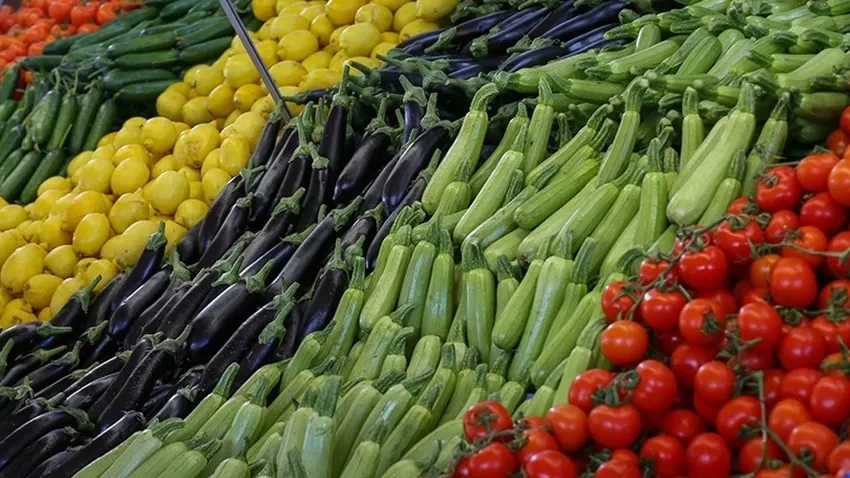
{"x": 51, "y": 233}
{"x": 104, "y": 268}
{"x": 341, "y": 12}
{"x": 82, "y": 266}
{"x": 167, "y": 191}
{"x": 287, "y": 23}
{"x": 246, "y": 95}
{"x": 44, "y": 203}
{"x": 416, "y": 27}
{"x": 135, "y": 151}
{"x": 107, "y": 139}
{"x": 320, "y": 78}
{"x": 44, "y": 315}
{"x": 128, "y": 209}
{"x": 170, "y": 104}
{"x": 196, "y": 190}
{"x": 295, "y": 8}
{"x": 62, "y": 204}
{"x": 208, "y": 78}
{"x": 376, "y": 14}
{"x": 196, "y": 111}
{"x": 211, "y": 161}
{"x": 5, "y": 298}
{"x": 333, "y": 44}
{"x": 9, "y": 242}
{"x": 220, "y": 101}
{"x": 322, "y": 28}
{"x": 393, "y": 5}
{"x": 238, "y": 71}
{"x": 84, "y": 158}
{"x": 288, "y": 91}
{"x": 263, "y": 9}
{"x": 191, "y": 174}
{"x": 84, "y": 203}
{"x": 165, "y": 163}
{"x": 25, "y": 230}
{"x": 338, "y": 61}
{"x": 288, "y": 72}
{"x": 39, "y": 290}
{"x": 297, "y": 45}
{"x": 92, "y": 232}
{"x": 381, "y": 49}
{"x": 61, "y": 261}
{"x": 281, "y": 4}
{"x": 159, "y": 135}
{"x": 129, "y": 176}
{"x": 231, "y": 117}
{"x": 320, "y": 59}
{"x": 249, "y": 125}
{"x": 64, "y": 292}
{"x": 112, "y": 248}
{"x": 264, "y": 105}
{"x": 55, "y": 183}
{"x": 95, "y": 175}
{"x": 234, "y": 155}
{"x": 16, "y": 315}
{"x": 404, "y": 15}
{"x": 128, "y": 135}
{"x": 311, "y": 12}
{"x": 135, "y": 122}
{"x": 135, "y": 238}
{"x": 11, "y": 215}
{"x": 181, "y": 87}
{"x": 24, "y": 263}
{"x": 190, "y": 212}
{"x": 433, "y": 10}
{"x": 193, "y": 147}
{"x": 389, "y": 37}
{"x": 268, "y": 51}
{"x": 214, "y": 182}
{"x": 173, "y": 233}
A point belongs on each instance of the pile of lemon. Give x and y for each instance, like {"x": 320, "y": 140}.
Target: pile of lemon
{"x": 306, "y": 46}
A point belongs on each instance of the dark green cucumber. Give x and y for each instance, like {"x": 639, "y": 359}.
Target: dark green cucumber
{"x": 202, "y": 52}
{"x": 7, "y": 108}
{"x": 143, "y": 44}
{"x": 89, "y": 104}
{"x": 49, "y": 166}
{"x": 116, "y": 79}
{"x": 63, "y": 45}
{"x": 175, "y": 10}
{"x": 64, "y": 121}
{"x": 106, "y": 115}
{"x": 139, "y": 61}
{"x": 18, "y": 178}
{"x": 12, "y": 140}
{"x": 9, "y": 82}
{"x": 8, "y": 165}
{"x": 41, "y": 62}
{"x": 43, "y": 117}
{"x": 143, "y": 92}
{"x": 167, "y": 27}
{"x": 217, "y": 27}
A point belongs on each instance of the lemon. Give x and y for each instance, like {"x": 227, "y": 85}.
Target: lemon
{"x": 246, "y": 95}
{"x": 389, "y": 37}
{"x": 322, "y": 28}
{"x": 165, "y": 163}
{"x": 196, "y": 190}
{"x": 129, "y": 176}
{"x": 213, "y": 182}
{"x": 235, "y": 153}
{"x": 287, "y": 91}
{"x": 135, "y": 122}
{"x": 61, "y": 261}
{"x": 9, "y": 242}
{"x": 5, "y": 298}
{"x": 311, "y": 12}
{"x": 320, "y": 78}
{"x": 44, "y": 203}
{"x": 404, "y": 15}
{"x": 82, "y": 266}
{"x": 92, "y": 232}
{"x": 167, "y": 191}
{"x": 64, "y": 292}
{"x": 333, "y": 45}
{"x": 11, "y": 215}
{"x": 264, "y": 105}
{"x": 159, "y": 135}
{"x": 134, "y": 151}
{"x": 107, "y": 139}
{"x": 376, "y": 14}
{"x": 263, "y": 9}
{"x": 320, "y": 59}
{"x": 16, "y": 315}
{"x": 416, "y": 27}
{"x": 338, "y": 61}
{"x": 297, "y": 45}
{"x": 220, "y": 101}
{"x": 196, "y": 111}
{"x": 111, "y": 249}
{"x": 192, "y": 148}
{"x": 52, "y": 235}
{"x": 55, "y": 183}
{"x": 288, "y": 72}
{"x": 128, "y": 135}
{"x": 287, "y": 23}
{"x": 281, "y": 4}
{"x": 365, "y": 61}
{"x": 128, "y": 209}
{"x": 295, "y": 8}
{"x": 181, "y": 86}
{"x": 231, "y": 117}
{"x": 211, "y": 161}
{"x": 104, "y": 268}
{"x": 381, "y": 49}
{"x": 62, "y": 204}
{"x": 135, "y": 238}
{"x": 84, "y": 203}
{"x": 238, "y": 71}
{"x": 95, "y": 175}
{"x": 39, "y": 289}
{"x": 268, "y": 51}
{"x": 190, "y": 212}
{"x": 341, "y": 12}
{"x": 25, "y": 230}
{"x": 85, "y": 157}
{"x": 249, "y": 125}
{"x": 433, "y": 10}
{"x": 190, "y": 77}
{"x": 25, "y": 262}
{"x": 393, "y": 5}
{"x": 173, "y": 233}
{"x": 191, "y": 174}
{"x": 170, "y": 104}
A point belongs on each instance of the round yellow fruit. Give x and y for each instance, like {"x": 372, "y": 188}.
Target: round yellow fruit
{"x": 389, "y": 37}
{"x": 9, "y": 242}
{"x": 61, "y": 261}
{"x": 433, "y": 10}
{"x": 127, "y": 210}
{"x": 246, "y": 95}
{"x": 211, "y": 161}
{"x": 95, "y": 175}
{"x": 52, "y": 235}
{"x": 287, "y": 23}
{"x": 393, "y": 5}
{"x": 220, "y": 101}
{"x": 104, "y": 268}
{"x": 64, "y": 291}
{"x": 322, "y": 28}
{"x": 82, "y": 159}
{"x": 288, "y": 72}
{"x": 320, "y": 78}
{"x": 135, "y": 238}
{"x": 333, "y": 44}
{"x": 268, "y": 51}
{"x": 263, "y": 9}
{"x": 196, "y": 191}
{"x": 416, "y": 27}
{"x": 82, "y": 266}
{"x": 191, "y": 174}
{"x": 196, "y": 111}
{"x": 359, "y": 39}
{"x": 376, "y": 14}
{"x": 239, "y": 70}
{"x": 5, "y": 298}
{"x": 92, "y": 232}
{"x": 338, "y": 61}
{"x": 40, "y": 289}
{"x": 44, "y": 203}
{"x": 129, "y": 176}
{"x": 107, "y": 139}
{"x": 381, "y": 49}
{"x": 134, "y": 151}
{"x": 55, "y": 183}
{"x": 159, "y": 135}
{"x": 190, "y": 212}
{"x": 234, "y": 155}
{"x": 165, "y": 163}
{"x": 248, "y": 125}
{"x": 14, "y": 315}
{"x": 294, "y": 7}
{"x": 11, "y": 215}
{"x": 167, "y": 191}
{"x": 112, "y": 248}
{"x": 23, "y": 264}
{"x": 341, "y": 12}
{"x": 404, "y": 15}
{"x": 181, "y": 86}
{"x": 173, "y": 233}
{"x": 320, "y": 59}
{"x": 84, "y": 203}
{"x": 311, "y": 12}
{"x": 213, "y": 182}
{"x": 264, "y": 105}
{"x": 128, "y": 135}
{"x": 193, "y": 147}
{"x": 297, "y": 45}
{"x": 106, "y": 151}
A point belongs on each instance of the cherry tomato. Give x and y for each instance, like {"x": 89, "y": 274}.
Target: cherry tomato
{"x": 626, "y": 455}
{"x": 738, "y": 238}
{"x": 754, "y": 450}
{"x": 722, "y": 298}
{"x": 760, "y": 269}
{"x": 844, "y": 122}
{"x": 813, "y": 171}
{"x": 618, "y": 469}
{"x": 569, "y": 426}
{"x": 743, "y": 205}
{"x": 703, "y": 270}
{"x": 668, "y": 341}
{"x": 60, "y": 10}
{"x": 702, "y": 322}
{"x": 780, "y": 223}
{"x": 534, "y": 442}
{"x": 839, "y": 182}
{"x": 106, "y": 13}
{"x": 798, "y": 384}
{"x": 660, "y": 310}
{"x": 806, "y": 238}
{"x": 835, "y": 365}
{"x": 836, "y": 295}
{"x": 532, "y": 422}
{"x": 618, "y": 300}
{"x": 87, "y": 28}
{"x": 682, "y": 425}
{"x": 801, "y": 347}
{"x": 708, "y": 456}
{"x": 614, "y": 427}
{"x": 837, "y": 142}
{"x": 786, "y": 415}
{"x": 651, "y": 269}
{"x": 706, "y": 411}
{"x": 624, "y": 342}
{"x": 484, "y": 418}
{"x": 840, "y": 243}
{"x": 761, "y": 324}
{"x": 656, "y": 387}
{"x": 773, "y": 379}
{"x": 586, "y": 384}
{"x": 739, "y": 412}
{"x": 83, "y": 13}
{"x": 830, "y": 401}
{"x": 687, "y": 359}
{"x": 778, "y": 189}
{"x": 817, "y": 439}
{"x": 494, "y": 460}
{"x": 828, "y": 330}
{"x": 824, "y": 213}
{"x": 550, "y": 464}
{"x": 715, "y": 382}
{"x": 793, "y": 283}
{"x": 839, "y": 457}
{"x": 667, "y": 456}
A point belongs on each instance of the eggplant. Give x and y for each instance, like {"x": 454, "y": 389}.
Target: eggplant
{"x": 156, "y": 398}
{"x": 189, "y": 246}
{"x": 25, "y": 435}
{"x": 234, "y": 190}
{"x": 571, "y": 27}
{"x": 469, "y": 29}
{"x": 318, "y": 192}
{"x": 414, "y": 104}
{"x": 370, "y": 153}
{"x": 55, "y": 370}
{"x": 105, "y": 441}
{"x": 150, "y": 320}
{"x": 12, "y": 398}
{"x": 263, "y": 349}
{"x": 32, "y": 409}
{"x": 273, "y": 231}
{"x": 140, "y": 351}
{"x": 272, "y": 179}
{"x": 326, "y": 296}
{"x": 372, "y": 196}
{"x": 311, "y": 249}
{"x": 279, "y": 254}
{"x": 478, "y": 68}
{"x": 41, "y": 449}
{"x": 280, "y": 142}
{"x": 179, "y": 405}
{"x": 298, "y": 168}
{"x": 507, "y": 32}
{"x": 50, "y": 465}
{"x": 266, "y": 141}
{"x": 22, "y": 337}
{"x": 130, "y": 308}
{"x": 73, "y": 313}
{"x": 233, "y": 226}
{"x": 333, "y": 134}
{"x": 292, "y": 323}
{"x": 101, "y": 306}
{"x": 566, "y": 8}
{"x": 148, "y": 264}
{"x": 161, "y": 359}
{"x": 413, "y": 195}
{"x": 365, "y": 227}
{"x": 27, "y": 364}
{"x": 101, "y": 351}
{"x": 110, "y": 366}
{"x": 416, "y": 45}
{"x": 534, "y": 57}
{"x": 86, "y": 396}
{"x": 204, "y": 284}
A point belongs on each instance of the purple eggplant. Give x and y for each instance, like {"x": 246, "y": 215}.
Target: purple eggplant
{"x": 112, "y": 365}
{"x": 297, "y": 170}
{"x": 263, "y": 349}
{"x": 292, "y": 323}
{"x": 234, "y": 190}
{"x": 41, "y": 449}
{"x": 142, "y": 348}
{"x": 56, "y": 369}
{"x": 148, "y": 264}
{"x": 317, "y": 194}
{"x": 73, "y": 313}
{"x": 414, "y": 104}
{"x": 333, "y": 133}
{"x": 573, "y": 26}
{"x": 20, "y": 338}
{"x": 156, "y": 398}
{"x": 273, "y": 177}
{"x": 370, "y": 154}
{"x": 101, "y": 351}
{"x": 130, "y": 308}
{"x": 372, "y": 196}
{"x": 30, "y": 410}
{"x": 326, "y": 296}
{"x": 85, "y": 397}
{"x": 101, "y": 306}
{"x": 29, "y": 363}
{"x": 507, "y": 32}
{"x": 21, "y": 438}
{"x": 50, "y": 465}
{"x": 365, "y": 227}
{"x": 274, "y": 230}
{"x": 279, "y": 253}
{"x": 564, "y": 10}
{"x": 233, "y": 226}
{"x": 189, "y": 246}
{"x": 179, "y": 405}
{"x": 150, "y": 320}
{"x": 266, "y": 142}
{"x": 456, "y": 35}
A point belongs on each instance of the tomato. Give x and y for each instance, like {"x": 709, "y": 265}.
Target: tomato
{"x": 83, "y": 13}
{"x": 798, "y": 384}
{"x": 668, "y": 341}
{"x": 87, "y": 28}
{"x": 760, "y": 269}
{"x": 707, "y": 456}
{"x": 839, "y": 457}
{"x": 624, "y": 342}
{"x": 660, "y": 310}
{"x": 484, "y": 418}
{"x": 687, "y": 359}
{"x": 626, "y": 455}
{"x": 830, "y": 401}
{"x": 532, "y": 422}
{"x": 618, "y": 469}
{"x": 569, "y": 425}
{"x": 656, "y": 387}
{"x": 702, "y": 322}
{"x": 754, "y": 450}
{"x": 806, "y": 238}
{"x": 106, "y": 13}
{"x": 786, "y": 415}
{"x": 706, "y": 411}
{"x": 741, "y": 411}
{"x": 614, "y": 427}
{"x": 715, "y": 382}
{"x": 801, "y": 347}
{"x": 650, "y": 269}
{"x": 793, "y": 283}
{"x": 773, "y": 386}
{"x": 494, "y": 460}
{"x": 722, "y": 298}
{"x": 835, "y": 365}
{"x": 780, "y": 223}
{"x": 60, "y": 10}
{"x": 824, "y": 213}
{"x": 839, "y": 182}
{"x": 828, "y": 330}
{"x": 761, "y": 324}
{"x": 703, "y": 270}
{"x": 835, "y": 295}
{"x": 534, "y": 442}
{"x": 682, "y": 425}
{"x": 844, "y": 122}
{"x": 753, "y": 360}
{"x": 813, "y": 171}
{"x": 839, "y": 243}
{"x": 743, "y": 205}
{"x": 619, "y": 299}
{"x": 550, "y": 464}
{"x": 738, "y": 238}
{"x": 586, "y": 384}
{"x": 666, "y": 454}
{"x": 837, "y": 142}
{"x": 818, "y": 439}
{"x": 778, "y": 189}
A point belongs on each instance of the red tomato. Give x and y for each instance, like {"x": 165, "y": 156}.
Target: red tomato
{"x": 624, "y": 342}
{"x": 806, "y": 238}
{"x": 760, "y": 270}
{"x": 614, "y": 427}
{"x": 828, "y": 330}
{"x": 550, "y": 464}
{"x": 493, "y": 461}
{"x": 838, "y": 244}
{"x": 753, "y": 360}
{"x": 618, "y": 300}
{"x": 778, "y": 189}
{"x": 839, "y": 457}
{"x": 801, "y": 347}
{"x": 780, "y": 223}
{"x": 668, "y": 341}
{"x": 798, "y": 384}
{"x": 87, "y": 28}
{"x": 836, "y": 295}
{"x": 586, "y": 384}
{"x": 761, "y": 295}
{"x": 703, "y": 270}
{"x": 106, "y": 13}
{"x": 687, "y": 359}
{"x": 760, "y": 322}
{"x": 839, "y": 182}
{"x": 813, "y": 171}
{"x": 715, "y": 382}
{"x": 656, "y": 387}
{"x": 650, "y": 269}
{"x": 626, "y": 455}
{"x": 618, "y": 469}
{"x": 83, "y": 13}
{"x": 737, "y": 413}
{"x": 743, "y": 205}
{"x": 817, "y": 439}
{"x": 738, "y": 238}
{"x": 722, "y": 297}
{"x": 824, "y": 213}
{"x": 666, "y": 454}
{"x": 60, "y": 10}
{"x": 660, "y": 310}
{"x": 786, "y": 415}
{"x": 837, "y": 142}
{"x": 706, "y": 411}
{"x": 845, "y": 122}
{"x": 793, "y": 283}
{"x": 682, "y": 425}
{"x": 702, "y": 322}
{"x": 835, "y": 365}
{"x": 708, "y": 456}
{"x": 532, "y": 422}
{"x": 484, "y": 418}
{"x": 830, "y": 401}
{"x": 534, "y": 442}
{"x": 569, "y": 425}
{"x": 753, "y": 451}
{"x": 773, "y": 379}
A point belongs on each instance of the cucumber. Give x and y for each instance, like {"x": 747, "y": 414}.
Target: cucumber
{"x": 217, "y": 27}
{"x": 143, "y": 92}
{"x": 8, "y": 165}
{"x": 9, "y": 82}
{"x": 202, "y": 52}
{"x": 7, "y": 108}
{"x": 64, "y": 121}
{"x": 116, "y": 79}
{"x": 63, "y": 45}
{"x": 41, "y": 62}
{"x": 15, "y": 182}
{"x": 168, "y": 27}
{"x": 89, "y": 104}
{"x": 106, "y": 115}
{"x": 48, "y": 167}
{"x": 156, "y": 59}
{"x": 143, "y": 44}
{"x": 175, "y": 10}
